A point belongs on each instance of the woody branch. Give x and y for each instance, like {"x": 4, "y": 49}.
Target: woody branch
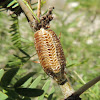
{"x": 27, "y": 12}
{"x": 86, "y": 86}
{"x": 39, "y": 9}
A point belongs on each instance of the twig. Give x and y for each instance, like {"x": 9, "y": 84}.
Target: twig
{"x": 75, "y": 95}
{"x": 83, "y": 82}
{"x": 66, "y": 89}
{"x": 30, "y": 8}
{"x": 86, "y": 86}
{"x": 27, "y": 12}
{"x": 35, "y": 22}
{"x": 39, "y": 9}
{"x": 31, "y": 17}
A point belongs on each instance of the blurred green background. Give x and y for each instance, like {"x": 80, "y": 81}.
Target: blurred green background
{"x": 78, "y": 21}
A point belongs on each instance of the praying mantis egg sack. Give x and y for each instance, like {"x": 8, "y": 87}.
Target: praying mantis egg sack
{"x": 50, "y": 52}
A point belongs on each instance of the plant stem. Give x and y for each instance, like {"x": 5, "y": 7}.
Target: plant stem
{"x": 86, "y": 86}
{"x": 27, "y": 12}
{"x": 30, "y": 8}
{"x": 39, "y": 8}
{"x": 66, "y": 89}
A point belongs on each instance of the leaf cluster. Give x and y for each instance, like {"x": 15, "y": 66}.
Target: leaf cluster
{"x": 24, "y": 88}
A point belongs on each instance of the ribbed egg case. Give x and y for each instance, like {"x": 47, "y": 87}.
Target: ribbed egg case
{"x": 50, "y": 53}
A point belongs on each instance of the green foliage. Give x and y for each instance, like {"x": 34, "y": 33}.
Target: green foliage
{"x": 19, "y": 90}
{"x": 29, "y": 92}
{"x": 14, "y": 31}
{"x": 17, "y": 41}
{"x": 7, "y": 77}
{"x": 45, "y": 88}
{"x": 50, "y": 96}
{"x": 3, "y": 96}
{"x": 23, "y": 79}
{"x": 36, "y": 82}
{"x": 11, "y": 5}
{"x": 1, "y": 73}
